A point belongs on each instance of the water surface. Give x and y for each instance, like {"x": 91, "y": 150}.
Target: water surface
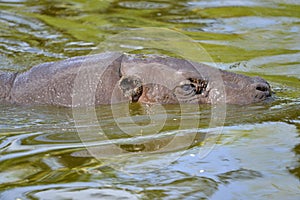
{"x": 256, "y": 156}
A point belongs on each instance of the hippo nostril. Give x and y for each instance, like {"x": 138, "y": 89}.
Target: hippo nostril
{"x": 263, "y": 87}
{"x": 260, "y": 88}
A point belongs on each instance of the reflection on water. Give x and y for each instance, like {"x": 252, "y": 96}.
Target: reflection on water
{"x": 39, "y": 158}
{"x": 42, "y": 156}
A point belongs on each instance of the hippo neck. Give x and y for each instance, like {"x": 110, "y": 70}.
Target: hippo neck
{"x": 6, "y": 83}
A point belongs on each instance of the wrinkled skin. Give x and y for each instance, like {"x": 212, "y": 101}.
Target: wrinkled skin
{"x": 114, "y": 77}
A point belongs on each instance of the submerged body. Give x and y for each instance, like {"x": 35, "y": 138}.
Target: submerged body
{"x": 114, "y": 77}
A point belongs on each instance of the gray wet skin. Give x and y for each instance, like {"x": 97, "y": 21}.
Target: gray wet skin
{"x": 114, "y": 77}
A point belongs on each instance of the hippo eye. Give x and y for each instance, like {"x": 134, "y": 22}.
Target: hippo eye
{"x": 187, "y": 87}
{"x": 191, "y": 86}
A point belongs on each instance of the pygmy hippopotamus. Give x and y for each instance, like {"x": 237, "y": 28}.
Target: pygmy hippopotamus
{"x": 114, "y": 77}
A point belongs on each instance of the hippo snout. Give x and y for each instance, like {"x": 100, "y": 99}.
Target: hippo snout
{"x": 242, "y": 90}
{"x": 262, "y": 89}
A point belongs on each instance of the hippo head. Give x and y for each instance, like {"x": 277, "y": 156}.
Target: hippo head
{"x": 166, "y": 80}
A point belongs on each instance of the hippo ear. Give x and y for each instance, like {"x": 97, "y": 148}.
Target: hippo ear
{"x": 132, "y": 87}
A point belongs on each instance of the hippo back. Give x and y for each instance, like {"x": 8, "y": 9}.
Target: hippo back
{"x": 6, "y": 82}
{"x": 53, "y": 83}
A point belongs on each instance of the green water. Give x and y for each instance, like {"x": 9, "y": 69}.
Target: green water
{"x": 154, "y": 153}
